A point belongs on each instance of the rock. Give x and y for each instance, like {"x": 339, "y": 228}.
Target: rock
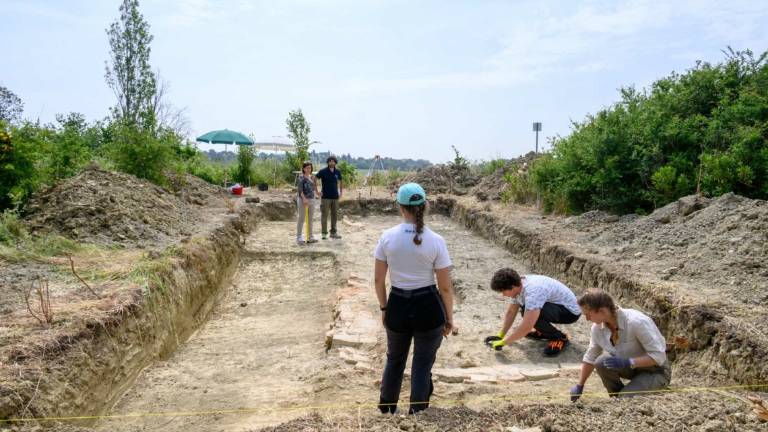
{"x": 351, "y": 340}
{"x": 451, "y": 375}
{"x": 638, "y": 255}
{"x": 253, "y": 200}
{"x": 690, "y": 204}
{"x": 243, "y": 304}
{"x": 538, "y": 374}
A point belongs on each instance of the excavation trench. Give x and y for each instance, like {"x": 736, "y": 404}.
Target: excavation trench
{"x": 298, "y": 329}
{"x": 279, "y": 330}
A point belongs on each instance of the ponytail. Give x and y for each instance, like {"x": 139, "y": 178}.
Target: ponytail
{"x": 417, "y": 211}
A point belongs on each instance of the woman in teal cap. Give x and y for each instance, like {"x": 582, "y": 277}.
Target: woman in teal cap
{"x": 417, "y": 310}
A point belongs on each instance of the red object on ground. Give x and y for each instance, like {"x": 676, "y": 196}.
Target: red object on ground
{"x": 237, "y": 190}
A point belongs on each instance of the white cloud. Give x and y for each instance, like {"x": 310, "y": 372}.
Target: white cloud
{"x": 596, "y": 36}
{"x": 196, "y": 12}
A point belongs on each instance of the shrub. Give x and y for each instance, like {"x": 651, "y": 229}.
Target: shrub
{"x": 18, "y": 176}
{"x": 12, "y": 230}
{"x": 142, "y": 153}
{"x": 652, "y": 147}
{"x": 243, "y": 172}
{"x": 348, "y": 173}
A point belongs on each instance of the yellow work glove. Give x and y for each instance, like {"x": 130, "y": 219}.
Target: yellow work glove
{"x": 491, "y": 339}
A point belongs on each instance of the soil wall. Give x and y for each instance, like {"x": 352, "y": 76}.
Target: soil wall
{"x": 88, "y": 373}
{"x": 706, "y": 338}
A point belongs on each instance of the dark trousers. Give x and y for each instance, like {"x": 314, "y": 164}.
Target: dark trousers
{"x": 332, "y": 206}
{"x": 553, "y": 313}
{"x": 417, "y": 315}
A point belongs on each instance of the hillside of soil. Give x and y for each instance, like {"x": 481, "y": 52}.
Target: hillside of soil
{"x": 116, "y": 209}
{"x": 717, "y": 244}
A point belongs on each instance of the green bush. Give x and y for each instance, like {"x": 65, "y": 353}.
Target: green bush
{"x": 490, "y": 167}
{"x": 520, "y": 189}
{"x": 12, "y": 230}
{"x": 243, "y": 172}
{"x": 69, "y": 149}
{"x": 707, "y": 127}
{"x": 143, "y": 153}
{"x": 348, "y": 173}
{"x": 18, "y": 174}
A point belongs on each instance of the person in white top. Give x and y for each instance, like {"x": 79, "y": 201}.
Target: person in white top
{"x": 416, "y": 310}
{"x": 625, "y": 343}
{"x": 542, "y": 301}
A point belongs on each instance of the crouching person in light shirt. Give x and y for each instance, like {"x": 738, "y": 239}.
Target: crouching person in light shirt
{"x": 625, "y": 344}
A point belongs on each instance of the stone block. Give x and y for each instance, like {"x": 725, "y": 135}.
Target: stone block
{"x": 539, "y": 374}
{"x": 352, "y": 340}
{"x": 451, "y": 375}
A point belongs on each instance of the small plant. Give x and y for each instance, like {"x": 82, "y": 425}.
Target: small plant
{"x": 230, "y": 206}
{"x": 72, "y": 266}
{"x": 12, "y": 230}
{"x": 43, "y": 296}
{"x": 459, "y": 162}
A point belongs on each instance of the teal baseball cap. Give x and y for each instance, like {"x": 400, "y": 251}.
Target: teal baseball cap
{"x": 411, "y": 194}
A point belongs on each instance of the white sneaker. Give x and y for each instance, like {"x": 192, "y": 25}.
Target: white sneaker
{"x": 300, "y": 241}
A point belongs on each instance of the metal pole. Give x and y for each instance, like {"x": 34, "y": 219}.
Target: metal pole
{"x": 537, "y": 141}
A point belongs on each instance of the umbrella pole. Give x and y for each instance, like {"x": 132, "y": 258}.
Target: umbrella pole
{"x": 225, "y": 165}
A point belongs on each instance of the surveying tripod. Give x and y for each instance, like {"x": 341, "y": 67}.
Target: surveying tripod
{"x": 368, "y": 177}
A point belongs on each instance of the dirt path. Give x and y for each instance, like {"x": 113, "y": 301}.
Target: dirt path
{"x": 265, "y": 344}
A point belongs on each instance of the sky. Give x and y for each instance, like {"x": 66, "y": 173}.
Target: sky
{"x": 404, "y": 79}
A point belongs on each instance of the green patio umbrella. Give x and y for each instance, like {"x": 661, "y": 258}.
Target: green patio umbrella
{"x": 226, "y": 137}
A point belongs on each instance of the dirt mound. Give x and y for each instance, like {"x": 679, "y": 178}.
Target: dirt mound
{"x": 664, "y": 412}
{"x": 711, "y": 242}
{"x": 494, "y": 185}
{"x": 113, "y": 208}
{"x": 453, "y": 179}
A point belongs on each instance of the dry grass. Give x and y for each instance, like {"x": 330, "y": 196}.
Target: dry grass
{"x": 110, "y": 272}
{"x": 42, "y": 300}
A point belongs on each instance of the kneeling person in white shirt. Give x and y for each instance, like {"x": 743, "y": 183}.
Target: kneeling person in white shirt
{"x": 625, "y": 344}
{"x": 542, "y": 301}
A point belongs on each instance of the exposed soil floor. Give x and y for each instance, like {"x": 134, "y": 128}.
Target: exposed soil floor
{"x": 264, "y": 348}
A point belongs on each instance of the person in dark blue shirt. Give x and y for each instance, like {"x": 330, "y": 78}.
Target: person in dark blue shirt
{"x": 330, "y": 194}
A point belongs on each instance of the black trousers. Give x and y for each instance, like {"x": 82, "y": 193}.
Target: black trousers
{"x": 418, "y": 316}
{"x": 553, "y": 313}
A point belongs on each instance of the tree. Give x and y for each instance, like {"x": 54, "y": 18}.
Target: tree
{"x": 298, "y": 131}
{"x": 244, "y": 170}
{"x": 17, "y": 169}
{"x": 165, "y": 114}
{"x": 128, "y": 72}
{"x": 11, "y": 106}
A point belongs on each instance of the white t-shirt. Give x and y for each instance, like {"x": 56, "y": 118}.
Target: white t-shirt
{"x": 538, "y": 290}
{"x": 412, "y": 266}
